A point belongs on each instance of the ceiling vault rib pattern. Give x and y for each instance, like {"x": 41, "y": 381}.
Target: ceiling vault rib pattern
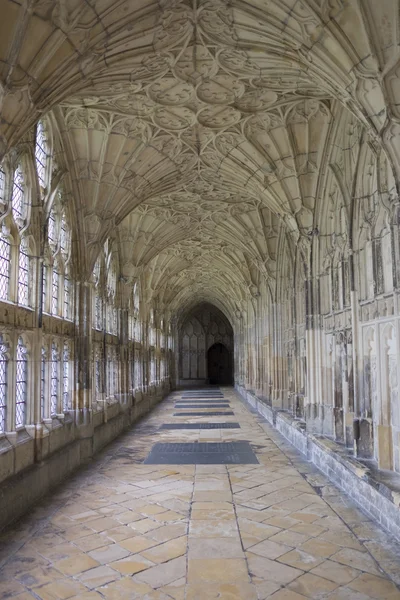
{"x": 199, "y": 132}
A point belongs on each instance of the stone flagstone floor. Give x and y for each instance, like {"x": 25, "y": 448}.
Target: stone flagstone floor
{"x": 120, "y": 529}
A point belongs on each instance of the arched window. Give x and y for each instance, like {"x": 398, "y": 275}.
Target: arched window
{"x": 136, "y": 297}
{"x": 41, "y": 153}
{"x": 55, "y": 288}
{"x": 67, "y": 296}
{"x": 66, "y": 386}
{"x": 98, "y": 311}
{"x": 98, "y": 304}
{"x": 111, "y": 312}
{"x": 43, "y": 360}
{"x": 5, "y": 265}
{"x": 18, "y": 195}
{"x": 52, "y": 230}
{"x": 44, "y": 291}
{"x": 56, "y": 274}
{"x": 3, "y": 384}
{"x": 2, "y": 185}
{"x": 115, "y": 321}
{"x": 112, "y": 372}
{"x": 23, "y": 274}
{"x": 115, "y": 373}
{"x": 98, "y": 369}
{"x": 65, "y": 237}
{"x": 19, "y": 212}
{"x": 65, "y": 242}
{"x": 21, "y": 383}
{"x": 54, "y": 380}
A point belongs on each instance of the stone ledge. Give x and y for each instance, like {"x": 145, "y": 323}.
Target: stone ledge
{"x": 377, "y": 493}
{"x": 20, "y": 491}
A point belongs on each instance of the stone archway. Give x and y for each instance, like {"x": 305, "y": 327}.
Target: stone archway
{"x": 203, "y": 327}
{"x": 219, "y": 365}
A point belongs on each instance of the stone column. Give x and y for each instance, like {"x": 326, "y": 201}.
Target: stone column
{"x": 124, "y": 353}
{"x": 82, "y": 399}
{"x": 318, "y": 414}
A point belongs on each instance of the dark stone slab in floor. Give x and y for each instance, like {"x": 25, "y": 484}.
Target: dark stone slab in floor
{"x": 213, "y": 396}
{"x": 200, "y": 426}
{"x": 201, "y": 390}
{"x": 202, "y": 453}
{"x": 202, "y": 398}
{"x": 208, "y": 393}
{"x": 202, "y": 405}
{"x": 204, "y": 414}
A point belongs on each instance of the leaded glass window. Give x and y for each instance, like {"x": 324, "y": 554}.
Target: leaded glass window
{"x": 114, "y": 321}
{"x": 55, "y": 285}
{"x": 112, "y": 371}
{"x": 41, "y": 153}
{"x": 4, "y": 268}
{"x": 108, "y": 318}
{"x": 115, "y": 373}
{"x": 64, "y": 237}
{"x": 3, "y": 385}
{"x": 23, "y": 274}
{"x": 67, "y": 297}
{"x": 66, "y": 403}
{"x": 17, "y": 199}
{"x": 2, "y": 184}
{"x": 130, "y": 327}
{"x": 21, "y": 383}
{"x": 98, "y": 375}
{"x": 97, "y": 311}
{"x": 43, "y": 383}
{"x": 44, "y": 292}
{"x": 52, "y": 229}
{"x": 98, "y": 370}
{"x": 54, "y": 380}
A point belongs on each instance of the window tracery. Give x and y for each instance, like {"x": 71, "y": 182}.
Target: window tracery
{"x": 42, "y": 153}
{"x": 97, "y": 301}
{"x": 55, "y": 284}
{"x": 23, "y": 273}
{"x": 112, "y": 371}
{"x": 2, "y": 185}
{"x": 54, "y": 380}
{"x": 18, "y": 194}
{"x": 111, "y": 309}
{"x": 5, "y": 265}
{"x": 98, "y": 370}
{"x": 3, "y": 384}
{"x": 66, "y": 379}
{"x": 56, "y": 270}
{"x": 21, "y": 383}
{"x": 136, "y": 312}
{"x": 43, "y": 361}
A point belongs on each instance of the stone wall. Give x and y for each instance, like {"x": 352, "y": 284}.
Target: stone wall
{"x": 200, "y": 329}
{"x": 377, "y": 497}
{"x": 30, "y": 476}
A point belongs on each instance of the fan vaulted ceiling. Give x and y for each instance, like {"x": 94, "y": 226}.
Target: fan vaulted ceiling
{"x": 195, "y": 129}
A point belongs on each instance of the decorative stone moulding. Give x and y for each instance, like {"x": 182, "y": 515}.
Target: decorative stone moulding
{"x": 377, "y": 496}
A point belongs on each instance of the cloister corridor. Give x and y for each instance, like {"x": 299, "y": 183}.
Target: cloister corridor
{"x": 123, "y": 530}
{"x": 200, "y": 299}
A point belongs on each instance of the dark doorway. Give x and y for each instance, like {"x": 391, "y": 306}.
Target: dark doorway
{"x": 219, "y": 365}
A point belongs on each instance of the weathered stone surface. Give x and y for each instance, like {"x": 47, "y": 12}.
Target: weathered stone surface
{"x": 200, "y": 192}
